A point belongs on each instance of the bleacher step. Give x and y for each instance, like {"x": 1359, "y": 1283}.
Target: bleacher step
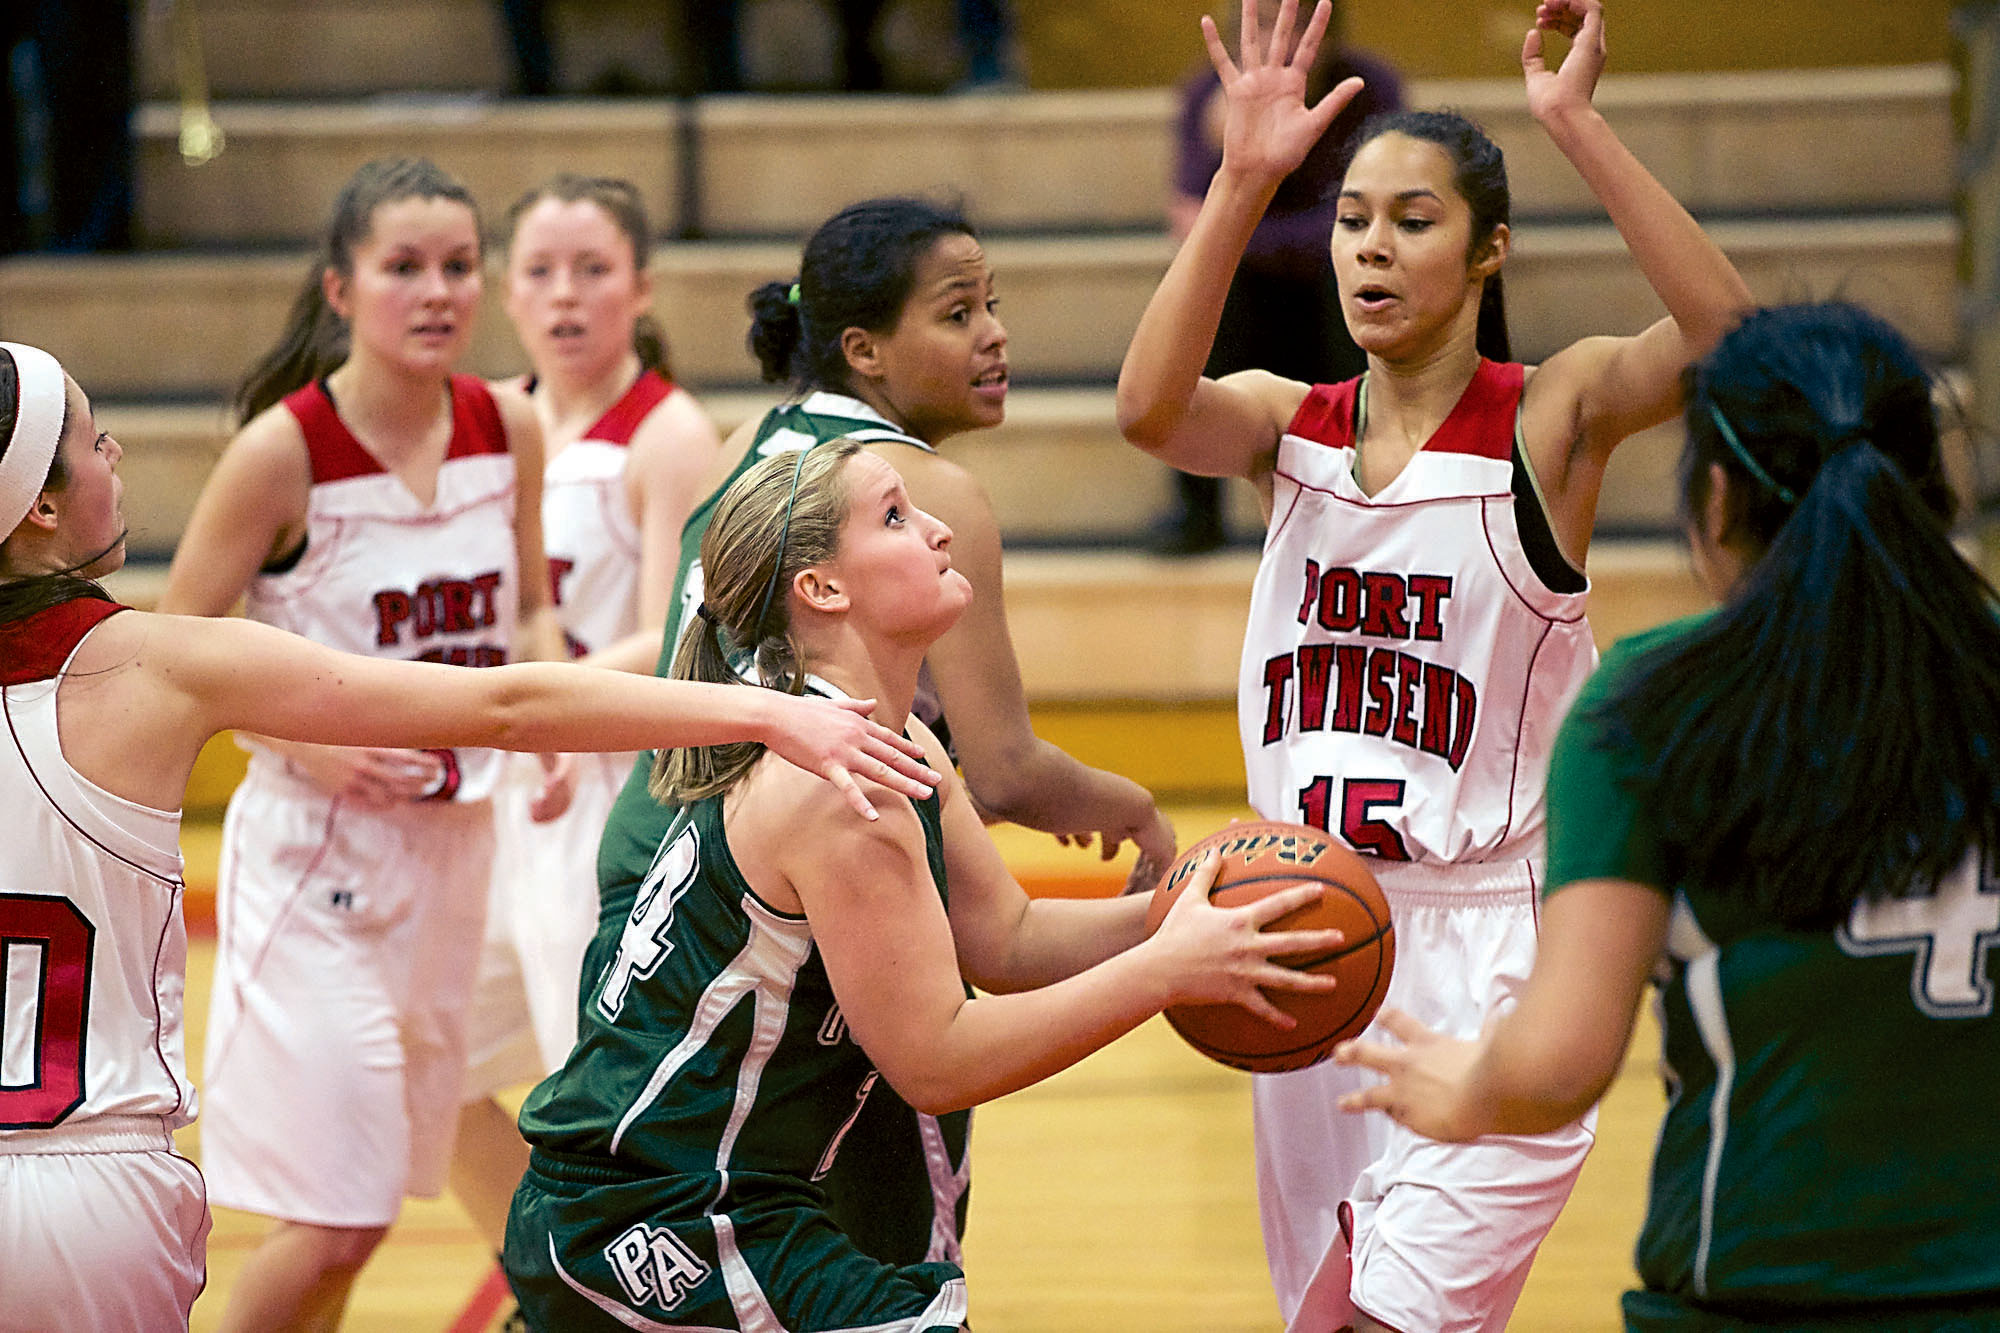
{"x": 189, "y": 324}
{"x": 1848, "y": 141}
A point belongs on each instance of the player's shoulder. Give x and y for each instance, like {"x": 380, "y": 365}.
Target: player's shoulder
{"x": 269, "y": 450}
{"x": 1624, "y": 655}
{"x": 674, "y": 424}
{"x": 820, "y": 824}
{"x": 1278, "y": 397}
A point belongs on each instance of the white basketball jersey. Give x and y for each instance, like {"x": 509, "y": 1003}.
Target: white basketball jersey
{"x": 1404, "y": 667}
{"x": 93, "y": 951}
{"x": 385, "y": 575}
{"x": 587, "y": 525}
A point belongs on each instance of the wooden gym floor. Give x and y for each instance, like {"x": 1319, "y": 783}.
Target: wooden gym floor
{"x": 1119, "y": 1194}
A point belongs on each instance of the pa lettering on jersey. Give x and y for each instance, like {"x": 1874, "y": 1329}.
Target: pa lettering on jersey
{"x": 655, "y": 1266}
{"x": 437, "y": 607}
{"x": 1372, "y": 688}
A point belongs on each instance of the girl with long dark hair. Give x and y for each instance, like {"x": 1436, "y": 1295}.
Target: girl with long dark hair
{"x": 1784, "y": 811}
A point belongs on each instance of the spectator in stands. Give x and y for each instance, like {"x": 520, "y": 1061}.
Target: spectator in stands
{"x": 1283, "y": 312}
{"x": 65, "y": 125}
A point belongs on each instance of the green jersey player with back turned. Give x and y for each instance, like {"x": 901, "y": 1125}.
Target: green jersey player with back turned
{"x": 1789, "y": 809}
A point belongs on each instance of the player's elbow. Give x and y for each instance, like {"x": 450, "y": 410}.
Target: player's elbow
{"x": 1147, "y": 417}
{"x": 1147, "y": 424}
{"x": 937, "y": 1091}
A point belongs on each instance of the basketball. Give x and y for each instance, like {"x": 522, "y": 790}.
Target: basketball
{"x": 1263, "y": 857}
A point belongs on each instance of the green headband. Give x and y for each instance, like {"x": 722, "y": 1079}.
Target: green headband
{"x": 1751, "y": 465}
{"x": 784, "y": 536}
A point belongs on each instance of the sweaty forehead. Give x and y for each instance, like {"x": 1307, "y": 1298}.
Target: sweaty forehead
{"x": 436, "y": 222}
{"x": 554, "y": 221}
{"x": 1393, "y": 164}
{"x": 870, "y": 480}
{"x": 954, "y": 260}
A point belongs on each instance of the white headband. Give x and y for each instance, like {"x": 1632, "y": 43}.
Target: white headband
{"x": 38, "y": 421}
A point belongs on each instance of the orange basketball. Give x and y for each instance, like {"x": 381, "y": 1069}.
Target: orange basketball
{"x": 1262, "y": 857}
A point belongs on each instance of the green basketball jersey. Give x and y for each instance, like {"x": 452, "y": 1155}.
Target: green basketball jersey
{"x": 1828, "y": 1148}
{"x": 711, "y": 1043}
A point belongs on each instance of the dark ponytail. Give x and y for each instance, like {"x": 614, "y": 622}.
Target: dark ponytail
{"x": 858, "y": 271}
{"x": 314, "y": 340}
{"x": 1480, "y": 176}
{"x": 1832, "y": 734}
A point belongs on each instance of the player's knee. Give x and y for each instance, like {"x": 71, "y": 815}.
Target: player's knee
{"x": 345, "y": 1249}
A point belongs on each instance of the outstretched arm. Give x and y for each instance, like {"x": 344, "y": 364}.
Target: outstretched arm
{"x": 1227, "y": 427}
{"x": 1546, "y": 1062}
{"x": 893, "y": 961}
{"x": 174, "y": 683}
{"x": 1587, "y": 398}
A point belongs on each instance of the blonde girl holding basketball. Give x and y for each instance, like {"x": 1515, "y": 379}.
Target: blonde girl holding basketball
{"x": 1417, "y": 624}
{"x": 892, "y": 336}
{"x": 774, "y": 971}
{"x": 627, "y": 454}
{"x": 106, "y": 709}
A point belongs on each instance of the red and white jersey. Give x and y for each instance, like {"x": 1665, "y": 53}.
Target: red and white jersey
{"x": 384, "y": 574}
{"x": 587, "y": 523}
{"x": 1404, "y": 667}
{"x": 93, "y": 951}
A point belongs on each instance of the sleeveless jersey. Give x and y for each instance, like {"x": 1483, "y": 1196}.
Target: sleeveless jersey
{"x": 384, "y": 575}
{"x": 1828, "y": 1142}
{"x": 1404, "y": 667}
{"x": 93, "y": 951}
{"x": 587, "y": 525}
{"x": 900, "y": 1193}
{"x": 710, "y": 1044}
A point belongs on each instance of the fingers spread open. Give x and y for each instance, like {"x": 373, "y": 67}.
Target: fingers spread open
{"x": 838, "y": 775}
{"x": 1274, "y": 905}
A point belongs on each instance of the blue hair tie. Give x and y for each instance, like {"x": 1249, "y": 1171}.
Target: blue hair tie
{"x": 1751, "y": 465}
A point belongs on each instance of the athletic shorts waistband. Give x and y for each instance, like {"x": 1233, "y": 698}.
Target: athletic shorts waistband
{"x": 583, "y": 1169}
{"x": 108, "y": 1133}
{"x": 1458, "y": 884}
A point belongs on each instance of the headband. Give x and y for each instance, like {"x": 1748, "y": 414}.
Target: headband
{"x": 784, "y": 536}
{"x": 1751, "y": 465}
{"x": 38, "y": 421}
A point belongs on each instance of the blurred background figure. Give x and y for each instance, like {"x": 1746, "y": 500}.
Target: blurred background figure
{"x": 65, "y": 125}
{"x": 1283, "y": 313}
{"x": 527, "y": 24}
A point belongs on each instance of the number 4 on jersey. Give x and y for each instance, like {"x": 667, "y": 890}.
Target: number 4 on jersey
{"x": 644, "y": 942}
{"x": 1950, "y": 933}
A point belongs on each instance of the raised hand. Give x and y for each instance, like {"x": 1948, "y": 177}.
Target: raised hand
{"x": 1270, "y": 129}
{"x": 1569, "y": 86}
{"x": 836, "y": 739}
